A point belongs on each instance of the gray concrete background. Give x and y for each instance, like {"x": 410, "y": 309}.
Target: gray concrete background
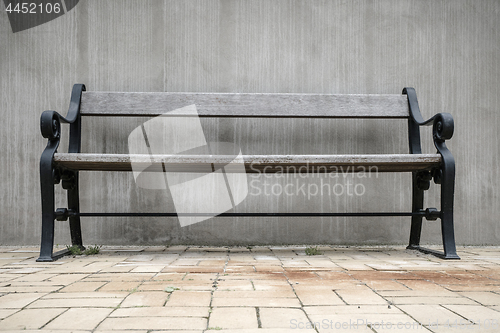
{"x": 447, "y": 50}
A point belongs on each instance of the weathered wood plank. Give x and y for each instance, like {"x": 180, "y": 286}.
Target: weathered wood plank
{"x": 251, "y": 163}
{"x": 245, "y": 105}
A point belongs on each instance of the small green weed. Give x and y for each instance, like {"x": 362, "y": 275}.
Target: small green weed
{"x": 312, "y": 251}
{"x": 74, "y": 250}
{"x": 91, "y": 250}
{"x": 170, "y": 289}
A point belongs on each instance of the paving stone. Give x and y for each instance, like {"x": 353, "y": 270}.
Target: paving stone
{"x": 380, "y": 285}
{"x": 141, "y": 258}
{"x": 360, "y": 296}
{"x": 26, "y": 270}
{"x": 456, "y": 328}
{"x": 150, "y": 298}
{"x": 189, "y": 298}
{"x": 296, "y": 276}
{"x": 148, "y": 269}
{"x": 417, "y": 293}
{"x": 6, "y": 312}
{"x": 12, "y": 288}
{"x": 177, "y": 249}
{"x": 353, "y": 266}
{"x": 270, "y": 284}
{"x": 272, "y": 293}
{"x": 468, "y": 276}
{"x": 472, "y": 287}
{"x": 169, "y": 331}
{"x": 266, "y": 330}
{"x": 476, "y": 313}
{"x": 268, "y": 268}
{"x": 236, "y": 317}
{"x": 120, "y": 277}
{"x": 357, "y": 322}
{"x": 5, "y": 276}
{"x": 117, "y": 269}
{"x": 423, "y": 286}
{"x": 428, "y": 314}
{"x": 37, "y": 277}
{"x": 401, "y": 327}
{"x": 82, "y": 287}
{"x": 193, "y": 269}
{"x": 30, "y": 319}
{"x": 153, "y": 323}
{"x": 76, "y": 303}
{"x": 335, "y": 276}
{"x": 385, "y": 267}
{"x": 79, "y": 318}
{"x": 430, "y": 300}
{"x": 66, "y": 279}
{"x": 235, "y": 285}
{"x": 181, "y": 285}
{"x": 256, "y": 302}
{"x": 486, "y": 298}
{"x": 120, "y": 286}
{"x": 171, "y": 311}
{"x": 329, "y": 284}
{"x": 255, "y": 276}
{"x": 200, "y": 277}
{"x": 331, "y": 323}
{"x": 94, "y": 294}
{"x": 357, "y": 310}
{"x": 13, "y": 301}
{"x": 325, "y": 263}
{"x": 383, "y": 275}
{"x": 171, "y": 276}
{"x": 186, "y": 262}
{"x": 319, "y": 297}
{"x": 280, "y": 318}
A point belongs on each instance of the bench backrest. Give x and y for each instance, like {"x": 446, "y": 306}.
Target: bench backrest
{"x": 245, "y": 105}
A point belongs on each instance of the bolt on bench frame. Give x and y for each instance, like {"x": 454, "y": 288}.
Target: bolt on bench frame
{"x": 63, "y": 168}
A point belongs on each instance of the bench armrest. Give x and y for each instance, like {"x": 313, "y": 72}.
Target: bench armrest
{"x": 443, "y": 125}
{"x": 50, "y": 121}
{"x": 442, "y": 130}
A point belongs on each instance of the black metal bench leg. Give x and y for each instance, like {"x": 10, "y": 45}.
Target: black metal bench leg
{"x": 48, "y": 177}
{"x": 416, "y": 221}
{"x": 74, "y": 205}
{"x": 447, "y": 194}
{"x": 47, "y": 181}
{"x": 48, "y": 215}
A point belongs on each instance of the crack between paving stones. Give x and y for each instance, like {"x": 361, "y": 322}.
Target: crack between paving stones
{"x": 300, "y": 301}
{"x": 259, "y": 323}
{"x": 42, "y": 327}
{"x": 214, "y": 287}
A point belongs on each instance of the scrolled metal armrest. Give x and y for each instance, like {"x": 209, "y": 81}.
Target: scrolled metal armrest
{"x": 443, "y": 125}
{"x": 50, "y": 121}
{"x": 50, "y": 124}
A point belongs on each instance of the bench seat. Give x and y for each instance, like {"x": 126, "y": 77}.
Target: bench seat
{"x": 253, "y": 163}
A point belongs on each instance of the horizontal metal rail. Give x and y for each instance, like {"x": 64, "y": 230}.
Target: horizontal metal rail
{"x": 248, "y": 214}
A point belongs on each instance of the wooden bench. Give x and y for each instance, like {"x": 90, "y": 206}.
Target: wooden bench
{"x": 64, "y": 167}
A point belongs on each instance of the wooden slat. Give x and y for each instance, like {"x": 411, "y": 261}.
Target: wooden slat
{"x": 245, "y": 105}
{"x": 252, "y": 163}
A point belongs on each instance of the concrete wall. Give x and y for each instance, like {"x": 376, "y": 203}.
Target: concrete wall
{"x": 447, "y": 50}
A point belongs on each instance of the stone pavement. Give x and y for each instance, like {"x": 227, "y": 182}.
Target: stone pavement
{"x": 246, "y": 290}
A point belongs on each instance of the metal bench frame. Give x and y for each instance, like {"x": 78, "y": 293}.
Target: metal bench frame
{"x": 62, "y": 168}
